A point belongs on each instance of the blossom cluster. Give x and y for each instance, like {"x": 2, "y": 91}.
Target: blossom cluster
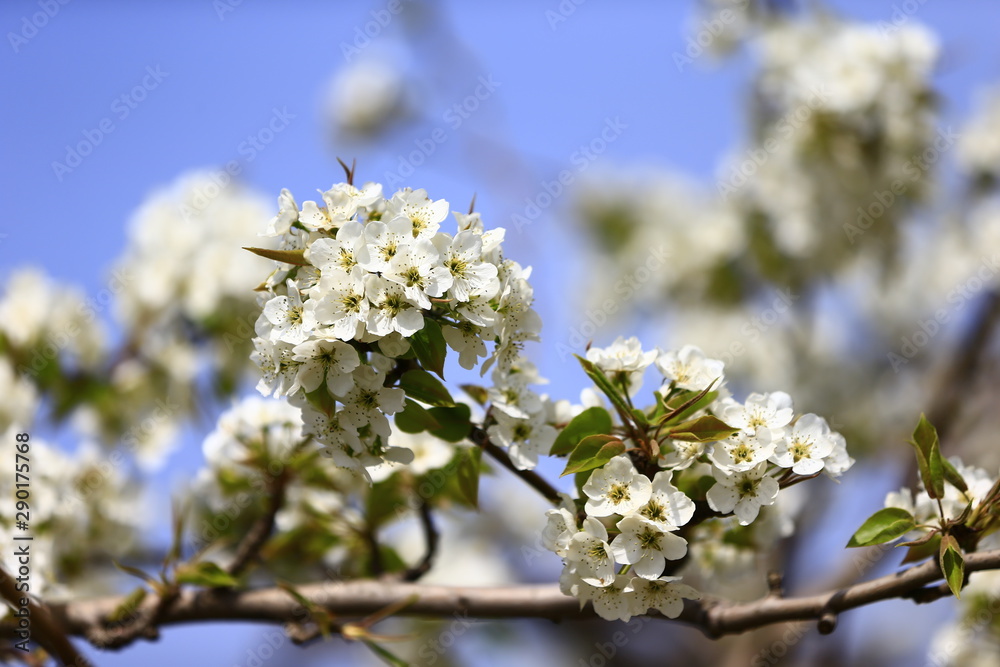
{"x": 366, "y": 275}
{"x": 633, "y": 510}
{"x": 80, "y": 503}
{"x": 183, "y": 256}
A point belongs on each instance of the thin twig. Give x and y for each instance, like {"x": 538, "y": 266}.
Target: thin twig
{"x": 251, "y": 544}
{"x": 432, "y": 539}
{"x": 533, "y": 479}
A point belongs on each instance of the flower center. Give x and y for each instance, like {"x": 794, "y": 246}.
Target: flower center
{"x": 618, "y": 493}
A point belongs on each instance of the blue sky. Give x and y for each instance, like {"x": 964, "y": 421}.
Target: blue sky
{"x": 209, "y": 74}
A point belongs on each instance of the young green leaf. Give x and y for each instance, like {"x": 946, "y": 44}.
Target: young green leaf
{"x": 204, "y": 573}
{"x": 885, "y": 525}
{"x": 424, "y": 387}
{"x": 430, "y": 348}
{"x": 415, "y": 419}
{"x": 129, "y": 606}
{"x": 602, "y": 382}
{"x": 593, "y": 452}
{"x": 923, "y": 551}
{"x": 476, "y": 393}
{"x": 136, "y": 572}
{"x": 296, "y": 257}
{"x": 703, "y": 429}
{"x": 592, "y": 421}
{"x": 953, "y": 477}
{"x": 468, "y": 474}
{"x": 384, "y": 654}
{"x": 454, "y": 422}
{"x": 929, "y": 460}
{"x": 952, "y": 564}
{"x": 687, "y": 403}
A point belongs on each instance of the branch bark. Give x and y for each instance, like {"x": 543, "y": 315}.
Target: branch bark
{"x": 359, "y": 598}
{"x": 46, "y": 629}
{"x": 533, "y": 479}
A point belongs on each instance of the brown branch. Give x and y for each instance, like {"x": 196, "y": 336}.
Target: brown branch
{"x": 359, "y": 598}
{"x": 259, "y": 533}
{"x": 45, "y": 629}
{"x": 432, "y": 538}
{"x": 533, "y": 479}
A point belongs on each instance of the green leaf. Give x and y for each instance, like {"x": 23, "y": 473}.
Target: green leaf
{"x": 929, "y": 460}
{"x": 477, "y": 393}
{"x": 885, "y": 525}
{"x": 455, "y": 422}
{"x": 919, "y": 552}
{"x": 592, "y": 421}
{"x": 296, "y": 257}
{"x": 129, "y": 606}
{"x": 415, "y": 419}
{"x": 952, "y": 564}
{"x": 136, "y": 572}
{"x": 605, "y": 385}
{"x": 953, "y": 477}
{"x": 593, "y": 452}
{"x": 430, "y": 348}
{"x": 385, "y": 502}
{"x": 687, "y": 403}
{"x": 703, "y": 429}
{"x": 468, "y": 474}
{"x": 204, "y": 573}
{"x": 386, "y": 656}
{"x": 424, "y": 387}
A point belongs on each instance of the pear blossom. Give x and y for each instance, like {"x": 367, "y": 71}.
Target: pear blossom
{"x": 470, "y": 275}
{"x": 760, "y": 411}
{"x": 415, "y": 267}
{"x": 337, "y": 253}
{"x": 667, "y": 507}
{"x": 666, "y": 595}
{"x": 742, "y": 492}
{"x": 467, "y": 339}
{"x": 682, "y": 454}
{"x": 689, "y": 368}
{"x": 560, "y": 526}
{"x": 590, "y": 553}
{"x": 646, "y": 546}
{"x": 511, "y": 395}
{"x": 805, "y": 446}
{"x": 342, "y": 308}
{"x": 391, "y": 309}
{"x": 616, "y": 488}
{"x": 423, "y": 215}
{"x": 369, "y": 401}
{"x": 288, "y": 213}
{"x": 616, "y": 602}
{"x": 381, "y": 243}
{"x": 742, "y": 450}
{"x": 285, "y": 315}
{"x": 326, "y": 361}
{"x": 623, "y": 361}
{"x": 525, "y": 439}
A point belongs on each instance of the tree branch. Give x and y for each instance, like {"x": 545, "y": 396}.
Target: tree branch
{"x": 259, "y": 533}
{"x": 359, "y": 598}
{"x": 45, "y": 629}
{"x": 533, "y": 479}
{"x": 432, "y": 538}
